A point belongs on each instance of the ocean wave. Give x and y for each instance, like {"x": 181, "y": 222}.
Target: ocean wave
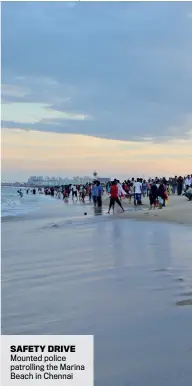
{"x": 14, "y": 207}
{"x": 12, "y": 204}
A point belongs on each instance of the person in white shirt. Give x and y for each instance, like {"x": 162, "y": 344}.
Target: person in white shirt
{"x": 121, "y": 191}
{"x": 138, "y": 192}
{"x": 74, "y": 191}
{"x": 188, "y": 182}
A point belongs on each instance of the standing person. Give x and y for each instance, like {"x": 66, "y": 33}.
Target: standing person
{"x": 81, "y": 191}
{"x": 83, "y": 194}
{"x": 126, "y": 188}
{"x": 138, "y": 192}
{"x": 52, "y": 191}
{"x": 64, "y": 193}
{"x": 89, "y": 192}
{"x": 131, "y": 192}
{"x": 114, "y": 197}
{"x": 99, "y": 194}
{"x": 153, "y": 194}
{"x": 148, "y": 188}
{"x": 74, "y": 192}
{"x": 144, "y": 188}
{"x": 179, "y": 186}
{"x": 59, "y": 194}
{"x": 94, "y": 193}
{"x": 174, "y": 185}
{"x": 161, "y": 192}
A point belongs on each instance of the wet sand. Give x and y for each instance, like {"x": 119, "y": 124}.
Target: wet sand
{"x": 127, "y": 282}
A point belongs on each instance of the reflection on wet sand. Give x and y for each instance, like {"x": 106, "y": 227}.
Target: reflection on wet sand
{"x": 98, "y": 210}
{"x": 116, "y": 279}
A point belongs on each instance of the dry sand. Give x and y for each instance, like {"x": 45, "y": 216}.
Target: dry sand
{"x": 178, "y": 210}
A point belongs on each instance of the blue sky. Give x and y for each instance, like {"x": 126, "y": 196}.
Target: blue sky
{"x": 109, "y": 70}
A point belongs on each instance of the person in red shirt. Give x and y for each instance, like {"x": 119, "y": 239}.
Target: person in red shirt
{"x": 114, "y": 197}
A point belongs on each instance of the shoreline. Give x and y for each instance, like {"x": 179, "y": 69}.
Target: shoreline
{"x": 178, "y": 210}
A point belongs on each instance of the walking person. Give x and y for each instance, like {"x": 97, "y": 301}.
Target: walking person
{"x": 114, "y": 197}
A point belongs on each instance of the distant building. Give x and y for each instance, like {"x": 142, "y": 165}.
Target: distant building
{"x": 58, "y": 181}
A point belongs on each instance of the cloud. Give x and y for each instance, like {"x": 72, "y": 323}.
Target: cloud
{"x": 127, "y": 65}
{"x": 12, "y": 91}
{"x": 34, "y": 152}
{"x": 35, "y": 113}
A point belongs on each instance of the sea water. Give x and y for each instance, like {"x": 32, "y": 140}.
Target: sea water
{"x": 127, "y": 282}
{"x": 14, "y": 205}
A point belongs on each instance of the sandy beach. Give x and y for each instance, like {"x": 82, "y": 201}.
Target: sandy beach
{"x": 127, "y": 281}
{"x": 178, "y": 210}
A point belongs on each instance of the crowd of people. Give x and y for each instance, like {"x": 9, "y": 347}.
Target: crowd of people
{"x": 158, "y": 190}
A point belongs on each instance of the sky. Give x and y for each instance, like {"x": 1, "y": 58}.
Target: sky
{"x": 96, "y": 86}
